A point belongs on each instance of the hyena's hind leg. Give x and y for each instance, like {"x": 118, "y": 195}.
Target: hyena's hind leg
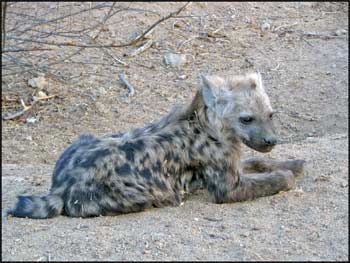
{"x": 260, "y": 165}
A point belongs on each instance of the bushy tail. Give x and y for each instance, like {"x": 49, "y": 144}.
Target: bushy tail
{"x": 37, "y": 207}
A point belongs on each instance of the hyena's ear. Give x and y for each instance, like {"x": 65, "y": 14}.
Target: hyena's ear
{"x": 256, "y": 80}
{"x": 211, "y": 92}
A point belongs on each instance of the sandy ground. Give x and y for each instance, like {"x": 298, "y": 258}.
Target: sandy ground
{"x": 307, "y": 80}
{"x": 307, "y": 223}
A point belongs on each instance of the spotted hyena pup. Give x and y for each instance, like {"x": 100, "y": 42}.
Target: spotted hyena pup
{"x": 154, "y": 166}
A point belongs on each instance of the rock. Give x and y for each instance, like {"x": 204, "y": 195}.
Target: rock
{"x": 340, "y": 32}
{"x": 343, "y": 184}
{"x": 175, "y": 60}
{"x": 29, "y": 138}
{"x": 39, "y": 83}
{"x": 31, "y": 120}
{"x": 41, "y": 94}
{"x": 265, "y": 26}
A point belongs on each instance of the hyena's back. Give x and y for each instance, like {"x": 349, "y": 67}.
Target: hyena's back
{"x": 101, "y": 177}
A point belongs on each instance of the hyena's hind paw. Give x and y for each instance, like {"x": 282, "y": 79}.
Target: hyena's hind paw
{"x": 296, "y": 166}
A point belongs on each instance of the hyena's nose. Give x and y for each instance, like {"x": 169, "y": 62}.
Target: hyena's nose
{"x": 270, "y": 141}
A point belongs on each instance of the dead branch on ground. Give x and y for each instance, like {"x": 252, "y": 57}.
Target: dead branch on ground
{"x": 26, "y": 108}
{"x": 126, "y": 83}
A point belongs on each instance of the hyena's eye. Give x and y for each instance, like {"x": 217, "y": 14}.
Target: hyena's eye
{"x": 271, "y": 115}
{"x": 246, "y": 119}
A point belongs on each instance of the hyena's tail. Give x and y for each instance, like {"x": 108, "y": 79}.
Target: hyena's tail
{"x": 38, "y": 207}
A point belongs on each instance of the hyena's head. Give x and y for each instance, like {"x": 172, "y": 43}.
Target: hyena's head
{"x": 240, "y": 106}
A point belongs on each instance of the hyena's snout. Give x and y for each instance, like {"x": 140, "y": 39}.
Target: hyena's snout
{"x": 270, "y": 141}
{"x": 267, "y": 140}
{"x": 259, "y": 137}
{"x": 264, "y": 144}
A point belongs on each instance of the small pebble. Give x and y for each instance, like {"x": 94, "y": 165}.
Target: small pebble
{"x": 175, "y": 60}
{"x": 340, "y": 32}
{"x": 39, "y": 83}
{"x": 31, "y": 120}
{"x": 343, "y": 184}
{"x": 265, "y": 26}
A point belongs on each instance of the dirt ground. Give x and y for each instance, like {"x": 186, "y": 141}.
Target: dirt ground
{"x": 301, "y": 49}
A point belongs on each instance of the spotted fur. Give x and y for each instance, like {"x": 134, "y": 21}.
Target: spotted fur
{"x": 193, "y": 146}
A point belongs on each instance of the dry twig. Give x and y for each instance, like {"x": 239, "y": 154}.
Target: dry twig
{"x": 141, "y": 48}
{"x": 173, "y": 14}
{"x": 127, "y": 84}
{"x": 26, "y": 108}
{"x": 3, "y": 19}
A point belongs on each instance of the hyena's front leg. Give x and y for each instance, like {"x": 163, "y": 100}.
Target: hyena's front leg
{"x": 226, "y": 187}
{"x": 260, "y": 165}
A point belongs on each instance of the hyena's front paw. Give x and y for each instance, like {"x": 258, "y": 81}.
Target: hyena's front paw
{"x": 296, "y": 166}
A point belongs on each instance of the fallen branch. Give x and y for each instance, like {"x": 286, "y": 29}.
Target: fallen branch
{"x": 26, "y": 108}
{"x": 126, "y": 84}
{"x": 173, "y": 14}
{"x": 61, "y": 17}
{"x": 213, "y": 219}
{"x": 73, "y": 44}
{"x": 25, "y": 49}
{"x": 141, "y": 48}
{"x": 281, "y": 31}
{"x": 322, "y": 35}
{"x": 107, "y": 16}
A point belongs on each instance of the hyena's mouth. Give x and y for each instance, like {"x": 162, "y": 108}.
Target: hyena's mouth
{"x": 257, "y": 146}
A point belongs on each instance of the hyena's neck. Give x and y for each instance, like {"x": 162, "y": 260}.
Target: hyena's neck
{"x": 190, "y": 141}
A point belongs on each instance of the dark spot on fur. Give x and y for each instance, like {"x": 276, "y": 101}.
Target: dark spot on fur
{"x": 140, "y": 189}
{"x": 176, "y": 158}
{"x": 145, "y": 158}
{"x": 160, "y": 183}
{"x": 196, "y": 131}
{"x": 71, "y": 181}
{"x": 146, "y": 173}
{"x": 90, "y": 160}
{"x": 171, "y": 170}
{"x": 201, "y": 148}
{"x": 165, "y": 137}
{"x": 67, "y": 155}
{"x": 139, "y": 145}
{"x": 129, "y": 184}
{"x": 212, "y": 138}
{"x": 125, "y": 169}
{"x": 139, "y": 206}
{"x": 178, "y": 133}
{"x": 130, "y": 148}
{"x": 157, "y": 167}
{"x": 117, "y": 135}
{"x": 168, "y": 155}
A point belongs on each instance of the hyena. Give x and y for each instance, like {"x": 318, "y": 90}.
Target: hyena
{"x": 194, "y": 145}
